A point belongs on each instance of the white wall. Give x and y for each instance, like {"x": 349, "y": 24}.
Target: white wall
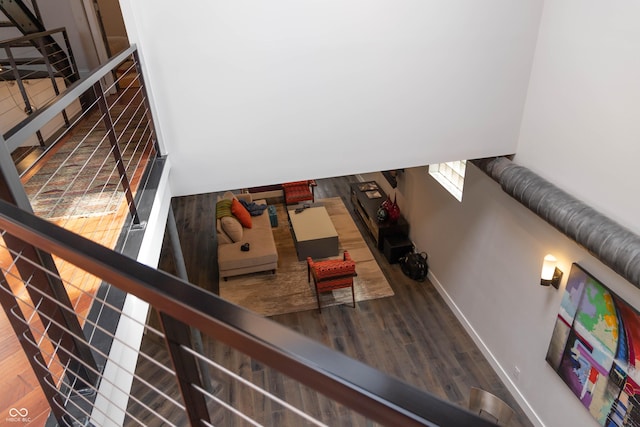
{"x": 581, "y": 127}
{"x": 385, "y": 85}
{"x": 70, "y": 14}
{"x": 257, "y": 93}
{"x": 580, "y": 131}
{"x": 485, "y": 256}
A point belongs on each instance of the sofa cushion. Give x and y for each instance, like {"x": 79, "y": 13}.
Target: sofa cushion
{"x": 232, "y": 227}
{"x": 262, "y": 252}
{"x": 223, "y": 208}
{"x": 223, "y": 238}
{"x": 241, "y": 213}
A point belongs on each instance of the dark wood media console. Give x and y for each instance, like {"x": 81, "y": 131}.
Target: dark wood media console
{"x": 367, "y": 208}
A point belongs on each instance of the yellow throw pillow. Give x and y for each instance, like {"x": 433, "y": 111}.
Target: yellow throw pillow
{"x": 223, "y": 208}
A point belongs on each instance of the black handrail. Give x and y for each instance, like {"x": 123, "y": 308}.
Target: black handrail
{"x": 364, "y": 389}
{"x": 29, "y": 37}
{"x": 30, "y": 125}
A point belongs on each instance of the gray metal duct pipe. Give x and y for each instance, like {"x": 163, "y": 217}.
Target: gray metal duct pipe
{"x": 613, "y": 244}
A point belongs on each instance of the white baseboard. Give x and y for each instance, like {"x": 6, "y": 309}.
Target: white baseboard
{"x": 531, "y": 414}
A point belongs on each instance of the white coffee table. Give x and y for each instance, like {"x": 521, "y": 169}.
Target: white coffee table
{"x": 313, "y": 233}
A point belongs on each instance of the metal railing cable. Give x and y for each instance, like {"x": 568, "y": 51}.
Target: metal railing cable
{"x": 249, "y": 384}
{"x": 39, "y": 67}
{"x": 77, "y": 385}
{"x": 382, "y": 398}
{"x": 109, "y": 156}
{"x": 41, "y": 117}
{"x": 60, "y": 378}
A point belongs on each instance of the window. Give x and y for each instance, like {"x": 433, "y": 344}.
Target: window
{"x": 450, "y": 175}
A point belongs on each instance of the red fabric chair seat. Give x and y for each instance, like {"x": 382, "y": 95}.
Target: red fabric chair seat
{"x": 298, "y": 191}
{"x": 332, "y": 274}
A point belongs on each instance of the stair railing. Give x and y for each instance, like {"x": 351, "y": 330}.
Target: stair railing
{"x": 35, "y": 57}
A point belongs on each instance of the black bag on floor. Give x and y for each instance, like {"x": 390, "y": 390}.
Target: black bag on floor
{"x": 414, "y": 265}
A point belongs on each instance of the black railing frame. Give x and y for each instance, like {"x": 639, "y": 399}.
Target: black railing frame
{"x": 378, "y": 396}
{"x": 115, "y": 149}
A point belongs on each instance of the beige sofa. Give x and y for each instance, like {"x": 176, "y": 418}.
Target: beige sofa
{"x": 262, "y": 254}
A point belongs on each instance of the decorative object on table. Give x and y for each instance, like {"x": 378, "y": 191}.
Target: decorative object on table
{"x": 595, "y": 350}
{"x": 368, "y": 186}
{"x": 414, "y": 265}
{"x": 366, "y": 210}
{"x": 387, "y": 204}
{"x": 381, "y": 214}
{"x": 375, "y": 194}
{"x": 394, "y": 211}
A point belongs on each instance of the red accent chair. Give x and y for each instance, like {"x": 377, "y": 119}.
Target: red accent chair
{"x": 298, "y": 191}
{"x": 332, "y": 274}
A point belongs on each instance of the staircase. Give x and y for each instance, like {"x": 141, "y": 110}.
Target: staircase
{"x": 29, "y": 23}
{"x": 36, "y": 65}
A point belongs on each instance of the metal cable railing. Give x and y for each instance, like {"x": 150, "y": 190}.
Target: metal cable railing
{"x": 87, "y": 178}
{"x": 84, "y": 313}
{"x": 260, "y": 372}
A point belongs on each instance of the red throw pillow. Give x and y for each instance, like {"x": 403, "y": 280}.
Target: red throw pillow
{"x": 241, "y": 213}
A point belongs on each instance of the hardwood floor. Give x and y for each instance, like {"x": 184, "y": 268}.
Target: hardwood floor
{"x": 412, "y": 335}
{"x": 20, "y": 388}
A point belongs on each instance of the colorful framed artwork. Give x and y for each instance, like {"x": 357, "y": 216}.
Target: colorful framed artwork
{"x": 595, "y": 348}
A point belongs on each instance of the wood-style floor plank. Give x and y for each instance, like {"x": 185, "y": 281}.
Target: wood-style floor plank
{"x": 413, "y": 335}
{"x": 18, "y": 383}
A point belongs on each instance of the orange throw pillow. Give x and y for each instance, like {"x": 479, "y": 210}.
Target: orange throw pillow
{"x": 241, "y": 213}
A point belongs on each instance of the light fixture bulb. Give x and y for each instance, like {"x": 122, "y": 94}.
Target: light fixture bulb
{"x": 548, "y": 267}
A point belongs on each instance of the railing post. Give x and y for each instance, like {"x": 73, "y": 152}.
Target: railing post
{"x": 34, "y": 356}
{"x": 28, "y": 109}
{"x": 186, "y": 369}
{"x": 47, "y": 291}
{"x": 52, "y": 76}
{"x": 196, "y": 336}
{"x": 70, "y": 56}
{"x": 16, "y": 74}
{"x": 117, "y": 154}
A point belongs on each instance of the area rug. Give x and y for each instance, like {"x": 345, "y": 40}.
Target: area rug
{"x": 81, "y": 178}
{"x": 288, "y": 291}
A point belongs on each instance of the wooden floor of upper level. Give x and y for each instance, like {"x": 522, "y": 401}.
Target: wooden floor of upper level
{"x": 19, "y": 387}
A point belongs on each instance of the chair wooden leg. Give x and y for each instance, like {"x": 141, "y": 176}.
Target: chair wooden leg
{"x": 353, "y": 296}
{"x": 318, "y": 299}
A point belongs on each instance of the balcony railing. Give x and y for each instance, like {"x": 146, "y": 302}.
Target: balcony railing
{"x": 204, "y": 361}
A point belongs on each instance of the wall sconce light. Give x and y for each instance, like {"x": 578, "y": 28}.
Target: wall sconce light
{"x": 551, "y": 275}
